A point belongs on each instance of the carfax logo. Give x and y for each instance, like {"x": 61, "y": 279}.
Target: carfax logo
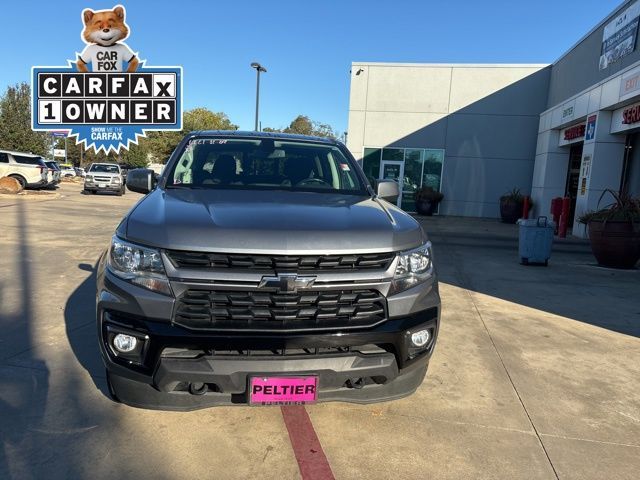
{"x": 102, "y": 105}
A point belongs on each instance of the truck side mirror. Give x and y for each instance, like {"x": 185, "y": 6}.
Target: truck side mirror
{"x": 388, "y": 190}
{"x": 141, "y": 180}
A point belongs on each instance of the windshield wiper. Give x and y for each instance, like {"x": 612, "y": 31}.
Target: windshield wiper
{"x": 185, "y": 187}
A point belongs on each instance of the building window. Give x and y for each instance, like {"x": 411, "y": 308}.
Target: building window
{"x": 371, "y": 163}
{"x": 396, "y": 154}
{"x": 418, "y": 167}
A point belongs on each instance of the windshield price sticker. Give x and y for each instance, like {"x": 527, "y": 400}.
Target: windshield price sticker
{"x": 106, "y": 108}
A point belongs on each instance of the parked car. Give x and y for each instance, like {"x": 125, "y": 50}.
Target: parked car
{"x": 104, "y": 177}
{"x": 67, "y": 170}
{"x": 55, "y": 172}
{"x": 80, "y": 172}
{"x": 279, "y": 276}
{"x": 28, "y": 169}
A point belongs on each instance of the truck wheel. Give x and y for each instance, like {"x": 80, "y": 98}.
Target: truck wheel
{"x": 120, "y": 193}
{"x": 21, "y": 181}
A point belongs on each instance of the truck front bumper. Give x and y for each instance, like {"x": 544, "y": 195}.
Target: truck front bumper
{"x": 107, "y": 188}
{"x": 363, "y": 365}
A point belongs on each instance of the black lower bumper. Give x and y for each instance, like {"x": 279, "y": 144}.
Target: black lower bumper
{"x": 331, "y": 385}
{"x": 109, "y": 188}
{"x": 363, "y": 366}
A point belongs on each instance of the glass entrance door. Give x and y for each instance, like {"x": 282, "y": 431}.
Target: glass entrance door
{"x": 393, "y": 170}
{"x": 573, "y": 177}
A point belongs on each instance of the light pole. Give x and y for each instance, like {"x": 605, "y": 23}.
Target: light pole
{"x": 259, "y": 68}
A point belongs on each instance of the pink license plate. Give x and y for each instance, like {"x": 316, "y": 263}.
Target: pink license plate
{"x": 283, "y": 390}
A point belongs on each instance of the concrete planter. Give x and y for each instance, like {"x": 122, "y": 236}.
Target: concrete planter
{"x": 615, "y": 244}
{"x": 426, "y": 207}
{"x": 510, "y": 210}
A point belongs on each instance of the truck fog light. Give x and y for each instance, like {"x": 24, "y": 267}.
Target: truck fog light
{"x": 124, "y": 343}
{"x": 420, "y": 338}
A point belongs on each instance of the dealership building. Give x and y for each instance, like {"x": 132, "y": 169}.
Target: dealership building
{"x": 475, "y": 132}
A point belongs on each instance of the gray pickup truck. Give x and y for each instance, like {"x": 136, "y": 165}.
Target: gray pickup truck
{"x": 264, "y": 269}
{"x": 104, "y": 177}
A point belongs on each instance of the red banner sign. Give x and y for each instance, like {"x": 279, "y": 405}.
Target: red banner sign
{"x": 631, "y": 115}
{"x": 572, "y": 133}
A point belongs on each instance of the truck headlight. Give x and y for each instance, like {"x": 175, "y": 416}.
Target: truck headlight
{"x": 115, "y": 180}
{"x": 414, "y": 267}
{"x": 88, "y": 178}
{"x": 139, "y": 265}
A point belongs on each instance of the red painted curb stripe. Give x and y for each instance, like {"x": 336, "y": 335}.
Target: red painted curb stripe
{"x": 312, "y": 461}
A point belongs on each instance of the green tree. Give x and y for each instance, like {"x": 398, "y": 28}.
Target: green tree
{"x": 303, "y": 125}
{"x": 136, "y": 156}
{"x": 15, "y": 122}
{"x": 161, "y": 144}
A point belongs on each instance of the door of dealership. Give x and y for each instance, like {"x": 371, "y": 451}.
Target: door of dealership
{"x": 630, "y": 180}
{"x": 573, "y": 178}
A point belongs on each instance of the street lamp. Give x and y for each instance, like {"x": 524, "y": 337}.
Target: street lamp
{"x": 259, "y": 68}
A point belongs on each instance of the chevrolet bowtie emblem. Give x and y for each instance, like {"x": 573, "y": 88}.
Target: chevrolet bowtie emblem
{"x": 286, "y": 282}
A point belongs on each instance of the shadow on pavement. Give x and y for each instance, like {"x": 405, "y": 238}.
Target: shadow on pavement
{"x": 80, "y": 322}
{"x": 21, "y": 388}
{"x": 482, "y": 256}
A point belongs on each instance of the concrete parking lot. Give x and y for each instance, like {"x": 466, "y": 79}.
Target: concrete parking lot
{"x": 536, "y": 374}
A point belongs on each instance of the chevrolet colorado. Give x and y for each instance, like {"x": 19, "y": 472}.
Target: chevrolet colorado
{"x": 263, "y": 269}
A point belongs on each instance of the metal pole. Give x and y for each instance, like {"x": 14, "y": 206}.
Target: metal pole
{"x": 66, "y": 158}
{"x": 257, "y": 96}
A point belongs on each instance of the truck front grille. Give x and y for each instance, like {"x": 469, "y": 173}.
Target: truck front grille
{"x": 101, "y": 179}
{"x": 281, "y": 263}
{"x": 278, "y": 311}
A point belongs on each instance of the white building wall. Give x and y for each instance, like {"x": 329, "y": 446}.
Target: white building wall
{"x": 485, "y": 117}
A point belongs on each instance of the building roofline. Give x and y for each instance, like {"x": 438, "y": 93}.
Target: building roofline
{"x": 26, "y": 154}
{"x": 586, "y": 35}
{"x": 451, "y": 65}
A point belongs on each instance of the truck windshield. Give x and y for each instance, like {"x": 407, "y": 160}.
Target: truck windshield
{"x": 262, "y": 164}
{"x": 104, "y": 168}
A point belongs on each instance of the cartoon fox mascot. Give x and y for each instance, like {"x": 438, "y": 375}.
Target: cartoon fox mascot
{"x": 103, "y": 32}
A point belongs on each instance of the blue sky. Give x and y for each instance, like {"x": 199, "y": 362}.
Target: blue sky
{"x": 307, "y": 51}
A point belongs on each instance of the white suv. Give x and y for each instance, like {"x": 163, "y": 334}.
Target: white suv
{"x": 28, "y": 169}
{"x": 67, "y": 170}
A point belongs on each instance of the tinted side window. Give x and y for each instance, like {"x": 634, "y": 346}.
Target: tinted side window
{"x": 4, "y": 158}
{"x": 27, "y": 160}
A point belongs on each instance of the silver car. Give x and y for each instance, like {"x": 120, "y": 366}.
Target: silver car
{"x": 264, "y": 269}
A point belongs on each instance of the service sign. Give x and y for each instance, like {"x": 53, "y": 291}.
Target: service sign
{"x": 619, "y": 36}
{"x": 572, "y": 134}
{"x": 107, "y": 98}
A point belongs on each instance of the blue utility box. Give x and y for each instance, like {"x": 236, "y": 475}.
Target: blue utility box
{"x": 535, "y": 240}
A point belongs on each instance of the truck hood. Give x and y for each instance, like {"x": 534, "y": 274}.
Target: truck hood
{"x": 276, "y": 222}
{"x": 99, "y": 174}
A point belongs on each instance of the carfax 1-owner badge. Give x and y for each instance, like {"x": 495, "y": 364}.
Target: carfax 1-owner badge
{"x": 108, "y": 97}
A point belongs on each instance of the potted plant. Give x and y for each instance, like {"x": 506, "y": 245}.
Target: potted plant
{"x": 511, "y": 204}
{"x": 427, "y": 200}
{"x": 614, "y": 231}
